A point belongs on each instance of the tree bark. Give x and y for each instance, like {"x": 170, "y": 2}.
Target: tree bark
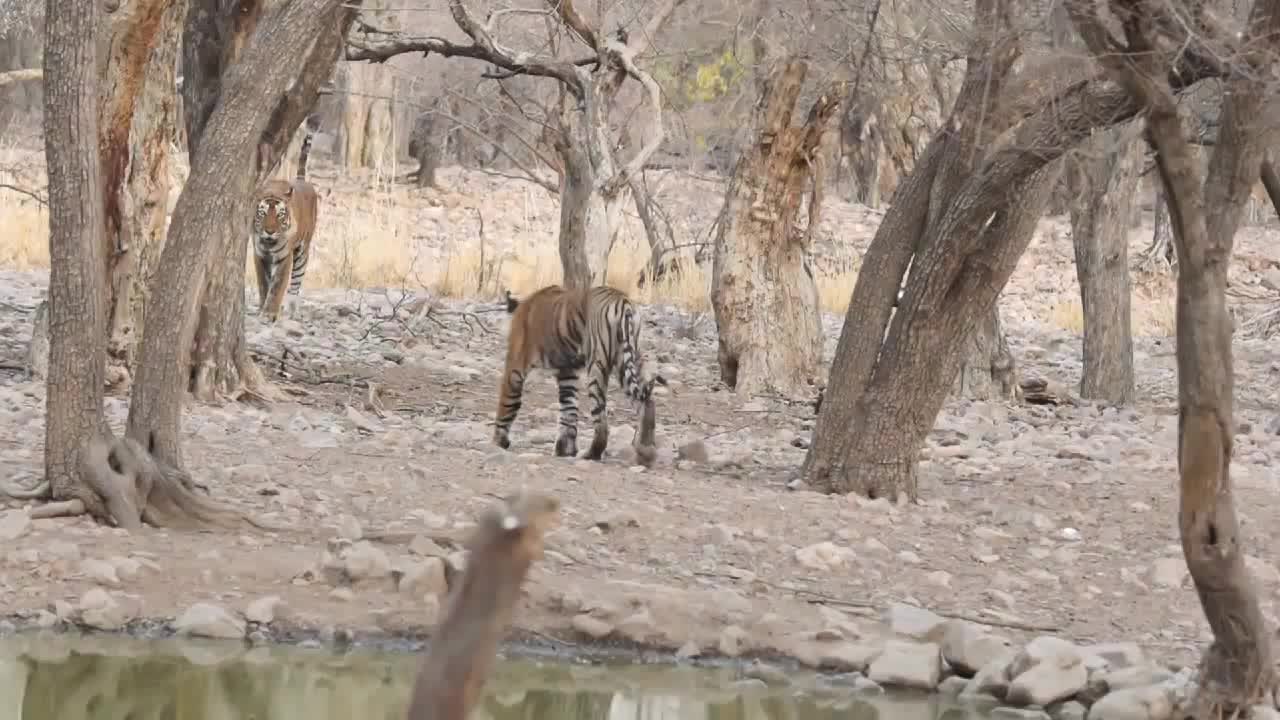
{"x": 77, "y": 252}
{"x": 213, "y": 41}
{"x": 231, "y": 154}
{"x": 426, "y": 145}
{"x": 762, "y": 289}
{"x": 989, "y": 370}
{"x": 1103, "y": 177}
{"x": 1205, "y": 210}
{"x": 139, "y": 197}
{"x": 1159, "y": 256}
{"x": 886, "y": 390}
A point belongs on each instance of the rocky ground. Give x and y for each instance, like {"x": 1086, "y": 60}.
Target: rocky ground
{"x": 1034, "y": 520}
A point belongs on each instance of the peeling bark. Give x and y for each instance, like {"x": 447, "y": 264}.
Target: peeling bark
{"x": 762, "y": 289}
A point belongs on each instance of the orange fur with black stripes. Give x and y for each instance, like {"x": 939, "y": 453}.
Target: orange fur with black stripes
{"x": 594, "y": 330}
{"x": 283, "y": 224}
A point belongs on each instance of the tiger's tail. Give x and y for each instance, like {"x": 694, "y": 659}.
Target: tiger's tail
{"x": 512, "y": 302}
{"x": 304, "y": 153}
{"x": 630, "y": 364}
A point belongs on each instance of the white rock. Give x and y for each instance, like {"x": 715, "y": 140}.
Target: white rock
{"x": 1153, "y": 702}
{"x": 209, "y": 620}
{"x": 908, "y": 664}
{"x": 263, "y": 610}
{"x": 824, "y": 556}
{"x": 14, "y": 524}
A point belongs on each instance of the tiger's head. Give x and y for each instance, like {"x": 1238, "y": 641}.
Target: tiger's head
{"x": 273, "y": 218}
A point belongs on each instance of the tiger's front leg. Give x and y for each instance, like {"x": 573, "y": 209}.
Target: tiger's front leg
{"x": 597, "y": 384}
{"x": 262, "y": 271}
{"x": 567, "y": 442}
{"x": 277, "y": 286}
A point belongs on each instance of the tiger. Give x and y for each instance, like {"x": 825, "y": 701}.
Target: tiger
{"x": 283, "y": 225}
{"x": 568, "y": 331}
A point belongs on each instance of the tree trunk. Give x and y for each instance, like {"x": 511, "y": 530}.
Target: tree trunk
{"x": 1237, "y": 670}
{"x": 989, "y": 370}
{"x": 77, "y": 253}
{"x": 589, "y": 221}
{"x": 1159, "y": 256}
{"x": 762, "y": 289}
{"x": 885, "y": 390}
{"x": 1103, "y": 177}
{"x": 426, "y": 145}
{"x": 142, "y": 197}
{"x": 220, "y": 364}
{"x": 210, "y": 219}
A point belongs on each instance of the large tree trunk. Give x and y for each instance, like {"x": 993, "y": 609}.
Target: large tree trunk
{"x": 214, "y": 38}
{"x": 762, "y": 289}
{"x": 426, "y": 144}
{"x": 1103, "y": 177}
{"x": 141, "y": 193}
{"x": 77, "y": 253}
{"x": 233, "y": 150}
{"x": 1205, "y": 209}
{"x": 886, "y": 390}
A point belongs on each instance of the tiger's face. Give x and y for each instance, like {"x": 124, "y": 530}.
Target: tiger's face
{"x": 272, "y": 218}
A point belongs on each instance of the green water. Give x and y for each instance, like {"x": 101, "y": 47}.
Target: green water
{"x": 60, "y": 677}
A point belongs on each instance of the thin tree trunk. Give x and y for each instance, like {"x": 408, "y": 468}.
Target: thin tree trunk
{"x": 989, "y": 370}
{"x": 1102, "y": 181}
{"x": 1159, "y": 256}
{"x": 762, "y": 289}
{"x": 1205, "y": 211}
{"x": 77, "y": 253}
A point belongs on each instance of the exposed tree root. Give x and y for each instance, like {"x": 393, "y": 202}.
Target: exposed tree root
{"x": 61, "y": 509}
{"x": 139, "y": 489}
{"x": 15, "y": 490}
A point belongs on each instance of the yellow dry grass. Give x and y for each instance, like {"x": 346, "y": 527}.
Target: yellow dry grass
{"x": 1151, "y": 314}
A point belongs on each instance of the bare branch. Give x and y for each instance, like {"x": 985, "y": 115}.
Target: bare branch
{"x": 379, "y": 46}
{"x": 575, "y": 22}
{"x": 11, "y": 77}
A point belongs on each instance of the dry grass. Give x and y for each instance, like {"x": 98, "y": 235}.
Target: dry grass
{"x": 1151, "y": 315}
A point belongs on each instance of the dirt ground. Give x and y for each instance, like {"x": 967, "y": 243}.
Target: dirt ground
{"x": 1034, "y": 519}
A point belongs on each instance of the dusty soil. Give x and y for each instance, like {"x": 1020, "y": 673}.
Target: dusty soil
{"x": 1034, "y": 519}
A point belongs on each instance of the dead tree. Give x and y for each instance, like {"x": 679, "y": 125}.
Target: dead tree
{"x": 594, "y": 182}
{"x": 504, "y": 545}
{"x": 762, "y": 289}
{"x": 138, "y": 113}
{"x": 1205, "y": 210}
{"x": 1102, "y": 178}
{"x": 960, "y": 221}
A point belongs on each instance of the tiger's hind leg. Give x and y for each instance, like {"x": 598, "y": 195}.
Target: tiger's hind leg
{"x": 597, "y": 385}
{"x": 567, "y": 442}
{"x": 510, "y": 394}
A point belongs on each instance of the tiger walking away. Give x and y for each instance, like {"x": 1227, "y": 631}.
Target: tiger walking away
{"x": 570, "y": 331}
{"x": 283, "y": 225}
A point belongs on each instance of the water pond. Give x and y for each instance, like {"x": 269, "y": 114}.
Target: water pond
{"x": 66, "y": 677}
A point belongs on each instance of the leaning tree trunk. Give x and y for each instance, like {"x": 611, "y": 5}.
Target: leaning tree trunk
{"x": 762, "y": 290}
{"x": 141, "y": 199}
{"x": 212, "y": 43}
{"x": 885, "y": 391}
{"x": 77, "y": 308}
{"x": 1103, "y": 178}
{"x": 211, "y": 218}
